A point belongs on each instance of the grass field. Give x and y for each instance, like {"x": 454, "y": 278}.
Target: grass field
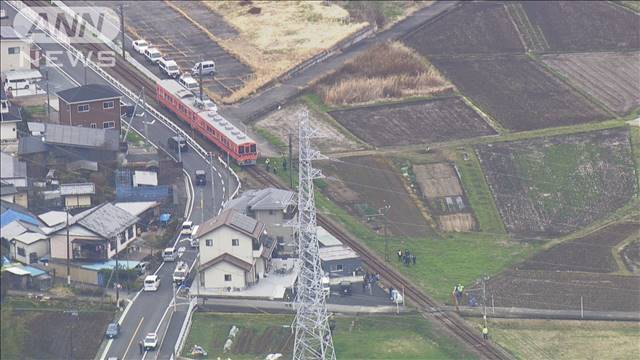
{"x": 566, "y": 340}
{"x": 362, "y": 337}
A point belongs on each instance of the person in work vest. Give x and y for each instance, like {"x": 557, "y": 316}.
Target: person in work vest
{"x": 485, "y": 332}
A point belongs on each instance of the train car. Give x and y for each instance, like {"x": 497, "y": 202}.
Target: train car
{"x": 204, "y": 118}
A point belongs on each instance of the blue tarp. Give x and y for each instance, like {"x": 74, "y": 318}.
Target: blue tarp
{"x": 34, "y": 271}
{"x": 111, "y": 264}
{"x": 11, "y": 215}
{"x": 165, "y": 217}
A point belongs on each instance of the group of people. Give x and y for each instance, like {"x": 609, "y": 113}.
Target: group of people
{"x": 369, "y": 280}
{"x": 406, "y": 257}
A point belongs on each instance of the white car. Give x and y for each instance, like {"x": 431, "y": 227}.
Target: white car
{"x": 140, "y": 46}
{"x": 152, "y": 55}
{"x": 169, "y": 67}
{"x": 150, "y": 341}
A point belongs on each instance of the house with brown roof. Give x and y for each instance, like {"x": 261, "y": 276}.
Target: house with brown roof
{"x": 235, "y": 251}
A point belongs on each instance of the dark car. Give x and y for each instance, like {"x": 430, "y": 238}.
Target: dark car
{"x": 113, "y": 330}
{"x": 201, "y": 177}
{"x": 345, "y": 288}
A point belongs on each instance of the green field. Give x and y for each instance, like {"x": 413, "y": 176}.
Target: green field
{"x": 565, "y": 339}
{"x": 362, "y": 337}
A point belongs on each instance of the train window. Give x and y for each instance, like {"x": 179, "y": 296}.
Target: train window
{"x": 241, "y": 149}
{"x": 253, "y": 148}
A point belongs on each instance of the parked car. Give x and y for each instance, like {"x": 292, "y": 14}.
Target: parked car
{"x": 188, "y": 82}
{"x": 140, "y": 46}
{"x": 151, "y": 283}
{"x": 201, "y": 177}
{"x": 208, "y": 68}
{"x": 345, "y": 288}
{"x": 17, "y": 84}
{"x": 113, "y": 330}
{"x": 152, "y": 55}
{"x": 150, "y": 341}
{"x": 169, "y": 67}
{"x": 142, "y": 267}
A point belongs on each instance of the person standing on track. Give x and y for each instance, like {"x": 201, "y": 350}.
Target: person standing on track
{"x": 485, "y": 333}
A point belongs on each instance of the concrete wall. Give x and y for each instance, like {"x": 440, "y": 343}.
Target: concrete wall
{"x": 214, "y": 276}
{"x": 222, "y": 243}
{"x": 19, "y": 61}
{"x": 8, "y": 131}
{"x": 78, "y": 274}
{"x": 41, "y": 248}
{"x": 97, "y": 115}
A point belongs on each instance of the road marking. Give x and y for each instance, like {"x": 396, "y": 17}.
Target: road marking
{"x": 106, "y": 349}
{"x": 133, "y": 336}
{"x": 158, "y": 327}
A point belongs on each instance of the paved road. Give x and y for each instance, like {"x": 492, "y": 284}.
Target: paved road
{"x": 149, "y": 311}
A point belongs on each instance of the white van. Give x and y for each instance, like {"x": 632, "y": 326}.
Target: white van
{"x": 17, "y": 84}
{"x": 169, "y": 67}
{"x": 208, "y": 68}
{"x": 188, "y": 83}
{"x": 151, "y": 283}
{"x": 194, "y": 239}
{"x": 187, "y": 228}
{"x": 169, "y": 254}
{"x": 152, "y": 55}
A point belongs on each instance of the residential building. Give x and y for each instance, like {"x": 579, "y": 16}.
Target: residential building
{"x": 14, "y": 172}
{"x": 92, "y": 106}
{"x": 10, "y": 116}
{"x": 340, "y": 263}
{"x": 20, "y": 231}
{"x": 95, "y": 234}
{"x": 77, "y": 195}
{"x": 15, "y": 50}
{"x": 235, "y": 251}
{"x": 276, "y": 208}
{"x": 29, "y": 247}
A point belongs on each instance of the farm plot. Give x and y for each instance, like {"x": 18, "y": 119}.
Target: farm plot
{"x": 591, "y": 253}
{"x": 631, "y": 256}
{"x": 550, "y": 186}
{"x": 417, "y": 122}
{"x": 183, "y": 39}
{"x": 611, "y": 78}
{"x": 474, "y": 28}
{"x": 518, "y": 93}
{"x": 280, "y": 123}
{"x": 439, "y": 184}
{"x": 363, "y": 184}
{"x": 585, "y": 25}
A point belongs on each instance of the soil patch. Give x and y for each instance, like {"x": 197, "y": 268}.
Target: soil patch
{"x": 437, "y": 180}
{"x": 631, "y": 256}
{"x": 611, "y": 78}
{"x": 592, "y": 253}
{"x": 462, "y": 222}
{"x": 585, "y": 25}
{"x": 416, "y": 122}
{"x": 361, "y": 185}
{"x": 473, "y": 28}
{"x": 550, "y": 186}
{"x": 517, "y": 92}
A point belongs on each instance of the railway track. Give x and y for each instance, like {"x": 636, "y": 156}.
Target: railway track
{"x": 427, "y": 307}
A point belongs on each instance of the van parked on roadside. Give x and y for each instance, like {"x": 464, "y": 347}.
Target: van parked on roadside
{"x": 152, "y": 55}
{"x": 207, "y": 67}
{"x": 188, "y": 83}
{"x": 151, "y": 283}
{"x": 169, "y": 67}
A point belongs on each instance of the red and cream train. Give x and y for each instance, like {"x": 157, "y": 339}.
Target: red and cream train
{"x": 204, "y": 118}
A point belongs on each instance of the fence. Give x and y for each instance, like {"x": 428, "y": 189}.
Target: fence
{"x": 63, "y": 40}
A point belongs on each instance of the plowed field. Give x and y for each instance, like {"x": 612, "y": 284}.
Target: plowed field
{"x": 474, "y": 28}
{"x": 417, "y": 122}
{"x": 612, "y": 78}
{"x": 517, "y": 92}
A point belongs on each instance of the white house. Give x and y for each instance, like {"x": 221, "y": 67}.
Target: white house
{"x": 29, "y": 246}
{"x": 16, "y": 50}
{"x": 235, "y": 251}
{"x": 10, "y": 116}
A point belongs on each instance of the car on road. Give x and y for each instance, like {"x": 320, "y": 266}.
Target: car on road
{"x": 113, "y": 330}
{"x": 140, "y": 46}
{"x": 152, "y": 55}
{"x": 204, "y": 68}
{"x": 201, "y": 177}
{"x": 169, "y": 67}
{"x": 169, "y": 254}
{"x": 188, "y": 83}
{"x": 151, "y": 283}
{"x": 150, "y": 341}
{"x": 187, "y": 228}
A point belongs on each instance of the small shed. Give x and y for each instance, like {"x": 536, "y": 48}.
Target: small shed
{"x": 145, "y": 178}
{"x": 77, "y": 195}
{"x": 340, "y": 261}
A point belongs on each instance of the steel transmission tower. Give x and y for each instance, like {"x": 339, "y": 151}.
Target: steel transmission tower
{"x": 313, "y": 336}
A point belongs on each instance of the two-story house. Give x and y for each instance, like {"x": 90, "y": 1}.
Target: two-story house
{"x": 92, "y": 105}
{"x": 276, "y": 208}
{"x": 16, "y": 50}
{"x": 235, "y": 251}
{"x": 14, "y": 172}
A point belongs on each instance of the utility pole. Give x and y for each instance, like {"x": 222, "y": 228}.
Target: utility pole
{"x": 290, "y": 163}
{"x": 68, "y": 252}
{"x": 135, "y": 109}
{"x": 211, "y": 168}
{"x": 122, "y": 29}
{"x": 484, "y": 300}
{"x": 180, "y": 139}
{"x": 202, "y": 205}
{"x": 117, "y": 272}
{"x": 200, "y": 79}
{"x": 46, "y": 74}
{"x": 228, "y": 195}
{"x": 84, "y": 68}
